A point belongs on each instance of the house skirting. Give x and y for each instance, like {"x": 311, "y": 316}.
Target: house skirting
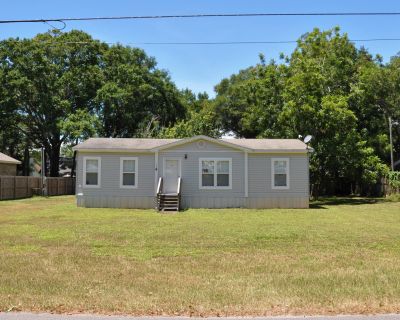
{"x": 242, "y": 202}
{"x": 195, "y": 202}
{"x": 115, "y": 202}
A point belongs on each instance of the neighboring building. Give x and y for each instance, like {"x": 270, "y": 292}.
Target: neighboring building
{"x": 8, "y": 165}
{"x": 198, "y": 172}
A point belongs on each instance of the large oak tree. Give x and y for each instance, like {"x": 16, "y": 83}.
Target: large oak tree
{"x": 57, "y": 88}
{"x": 47, "y": 80}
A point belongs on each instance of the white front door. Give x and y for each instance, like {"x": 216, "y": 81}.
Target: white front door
{"x": 172, "y": 168}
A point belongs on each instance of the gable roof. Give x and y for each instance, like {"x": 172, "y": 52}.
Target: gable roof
{"x": 223, "y": 142}
{"x": 151, "y": 145}
{"x": 6, "y": 159}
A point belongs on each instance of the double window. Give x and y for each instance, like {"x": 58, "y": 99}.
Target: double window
{"x": 280, "y": 173}
{"x": 215, "y": 173}
{"x": 91, "y": 172}
{"x": 128, "y": 172}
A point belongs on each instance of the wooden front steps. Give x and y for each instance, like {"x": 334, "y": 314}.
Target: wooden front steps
{"x": 168, "y": 201}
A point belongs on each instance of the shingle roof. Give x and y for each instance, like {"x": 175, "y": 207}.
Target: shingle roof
{"x": 111, "y": 144}
{"x": 269, "y": 144}
{"x": 123, "y": 143}
{"x": 6, "y": 159}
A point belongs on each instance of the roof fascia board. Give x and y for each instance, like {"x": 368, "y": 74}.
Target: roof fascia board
{"x": 91, "y": 150}
{"x": 151, "y": 151}
{"x": 10, "y": 161}
{"x": 281, "y": 151}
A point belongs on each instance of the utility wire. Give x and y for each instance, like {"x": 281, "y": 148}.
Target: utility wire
{"x": 247, "y": 42}
{"x": 209, "y": 42}
{"x": 206, "y": 15}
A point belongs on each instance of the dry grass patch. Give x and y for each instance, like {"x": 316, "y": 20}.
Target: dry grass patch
{"x": 337, "y": 257}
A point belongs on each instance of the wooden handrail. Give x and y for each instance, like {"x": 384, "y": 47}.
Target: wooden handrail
{"x": 179, "y": 185}
{"x": 160, "y": 183}
{"x": 179, "y": 193}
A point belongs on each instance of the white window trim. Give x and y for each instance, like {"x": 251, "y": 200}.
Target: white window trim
{"x": 121, "y": 168}
{"x": 215, "y": 187}
{"x": 287, "y": 174}
{"x": 98, "y": 185}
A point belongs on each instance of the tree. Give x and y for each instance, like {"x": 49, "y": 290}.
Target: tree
{"x": 323, "y": 73}
{"x": 135, "y": 93}
{"x": 249, "y": 103}
{"x": 200, "y": 119}
{"x": 12, "y": 139}
{"x": 58, "y": 88}
{"x": 315, "y": 91}
{"x": 394, "y": 99}
{"x": 369, "y": 101}
{"x": 49, "y": 79}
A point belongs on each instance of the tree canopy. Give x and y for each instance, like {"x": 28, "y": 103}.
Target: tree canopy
{"x": 59, "y": 88}
{"x": 327, "y": 88}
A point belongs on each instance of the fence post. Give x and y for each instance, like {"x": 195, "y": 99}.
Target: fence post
{"x": 1, "y": 189}
{"x": 45, "y": 187}
{"x": 15, "y": 187}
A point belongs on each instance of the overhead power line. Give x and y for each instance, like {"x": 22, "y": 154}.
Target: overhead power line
{"x": 204, "y": 15}
{"x": 211, "y": 42}
{"x": 248, "y": 42}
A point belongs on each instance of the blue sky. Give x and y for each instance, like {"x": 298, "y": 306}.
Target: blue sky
{"x": 201, "y": 67}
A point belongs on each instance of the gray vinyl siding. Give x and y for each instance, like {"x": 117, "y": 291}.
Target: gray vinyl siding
{"x": 261, "y": 193}
{"x": 190, "y": 169}
{"x": 110, "y": 175}
{"x": 260, "y": 175}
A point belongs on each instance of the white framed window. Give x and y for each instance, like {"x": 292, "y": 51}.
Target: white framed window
{"x": 215, "y": 173}
{"x": 91, "y": 172}
{"x": 280, "y": 173}
{"x": 128, "y": 172}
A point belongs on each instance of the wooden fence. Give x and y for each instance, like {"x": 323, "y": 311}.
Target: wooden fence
{"x": 387, "y": 190}
{"x": 16, "y": 187}
{"x": 60, "y": 186}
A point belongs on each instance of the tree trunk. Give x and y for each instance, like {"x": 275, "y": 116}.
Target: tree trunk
{"x": 73, "y": 165}
{"x": 316, "y": 191}
{"x": 25, "y": 163}
{"x": 54, "y": 154}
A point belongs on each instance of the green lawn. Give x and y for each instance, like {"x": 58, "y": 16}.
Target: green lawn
{"x": 340, "y": 256}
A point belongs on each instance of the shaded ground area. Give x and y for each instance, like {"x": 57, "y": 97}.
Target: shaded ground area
{"x": 322, "y": 203}
{"x": 344, "y": 259}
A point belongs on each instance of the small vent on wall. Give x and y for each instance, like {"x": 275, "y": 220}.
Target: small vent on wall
{"x": 201, "y": 144}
